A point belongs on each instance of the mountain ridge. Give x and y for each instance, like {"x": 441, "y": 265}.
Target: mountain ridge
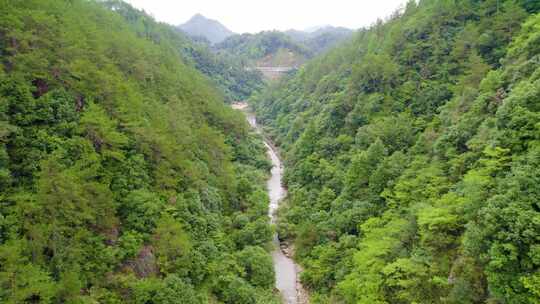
{"x": 201, "y": 26}
{"x": 409, "y": 154}
{"x": 321, "y": 38}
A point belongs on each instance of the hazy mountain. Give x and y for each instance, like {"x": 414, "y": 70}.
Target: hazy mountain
{"x": 297, "y": 35}
{"x": 267, "y": 48}
{"x": 210, "y": 29}
{"x": 312, "y": 29}
{"x": 321, "y": 38}
{"x": 337, "y": 30}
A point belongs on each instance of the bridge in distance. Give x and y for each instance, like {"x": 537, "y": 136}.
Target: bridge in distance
{"x": 273, "y": 72}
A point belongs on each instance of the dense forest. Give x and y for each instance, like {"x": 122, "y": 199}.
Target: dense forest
{"x": 322, "y": 39}
{"x": 226, "y": 71}
{"x": 124, "y": 177}
{"x": 267, "y": 48}
{"x": 412, "y": 158}
{"x": 411, "y": 153}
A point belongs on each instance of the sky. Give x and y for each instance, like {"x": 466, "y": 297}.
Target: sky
{"x": 253, "y": 16}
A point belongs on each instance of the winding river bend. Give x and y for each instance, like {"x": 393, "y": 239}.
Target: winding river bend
{"x": 286, "y": 270}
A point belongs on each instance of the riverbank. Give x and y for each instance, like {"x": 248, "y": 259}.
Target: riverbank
{"x": 287, "y": 272}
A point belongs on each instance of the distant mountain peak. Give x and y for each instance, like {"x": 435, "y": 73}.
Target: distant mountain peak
{"x": 312, "y": 29}
{"x": 199, "y": 25}
{"x": 199, "y": 16}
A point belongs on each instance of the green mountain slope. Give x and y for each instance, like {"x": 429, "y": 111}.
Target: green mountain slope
{"x": 210, "y": 29}
{"x": 226, "y": 71}
{"x": 124, "y": 178}
{"x": 413, "y": 156}
{"x": 322, "y": 39}
{"x": 268, "y": 48}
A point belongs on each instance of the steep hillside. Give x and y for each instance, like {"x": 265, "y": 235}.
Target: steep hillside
{"x": 270, "y": 48}
{"x": 226, "y": 71}
{"x": 413, "y": 156}
{"x": 124, "y": 178}
{"x": 320, "y": 39}
{"x": 210, "y": 29}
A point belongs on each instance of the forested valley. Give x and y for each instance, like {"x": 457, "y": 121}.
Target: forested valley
{"x": 412, "y": 158}
{"x": 411, "y": 153}
{"x": 124, "y": 177}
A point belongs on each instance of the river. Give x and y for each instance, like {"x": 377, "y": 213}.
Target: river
{"x": 285, "y": 268}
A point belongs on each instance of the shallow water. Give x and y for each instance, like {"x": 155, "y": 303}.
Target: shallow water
{"x": 285, "y": 268}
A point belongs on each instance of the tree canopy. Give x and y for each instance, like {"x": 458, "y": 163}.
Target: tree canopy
{"x": 121, "y": 166}
{"x": 411, "y": 157}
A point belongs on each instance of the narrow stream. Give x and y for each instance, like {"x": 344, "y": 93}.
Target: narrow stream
{"x": 285, "y": 269}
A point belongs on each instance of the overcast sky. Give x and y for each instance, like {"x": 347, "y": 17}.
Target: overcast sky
{"x": 253, "y": 16}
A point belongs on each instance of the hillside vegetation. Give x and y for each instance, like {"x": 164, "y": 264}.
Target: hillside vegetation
{"x": 322, "y": 39}
{"x": 268, "y": 48}
{"x": 124, "y": 178}
{"x": 413, "y": 155}
{"x": 226, "y": 71}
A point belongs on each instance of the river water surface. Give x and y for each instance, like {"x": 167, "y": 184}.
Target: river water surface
{"x": 286, "y": 270}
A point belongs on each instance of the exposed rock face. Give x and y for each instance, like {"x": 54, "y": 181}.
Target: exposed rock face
{"x": 144, "y": 265}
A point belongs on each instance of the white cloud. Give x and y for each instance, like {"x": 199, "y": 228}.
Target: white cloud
{"x": 254, "y": 16}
